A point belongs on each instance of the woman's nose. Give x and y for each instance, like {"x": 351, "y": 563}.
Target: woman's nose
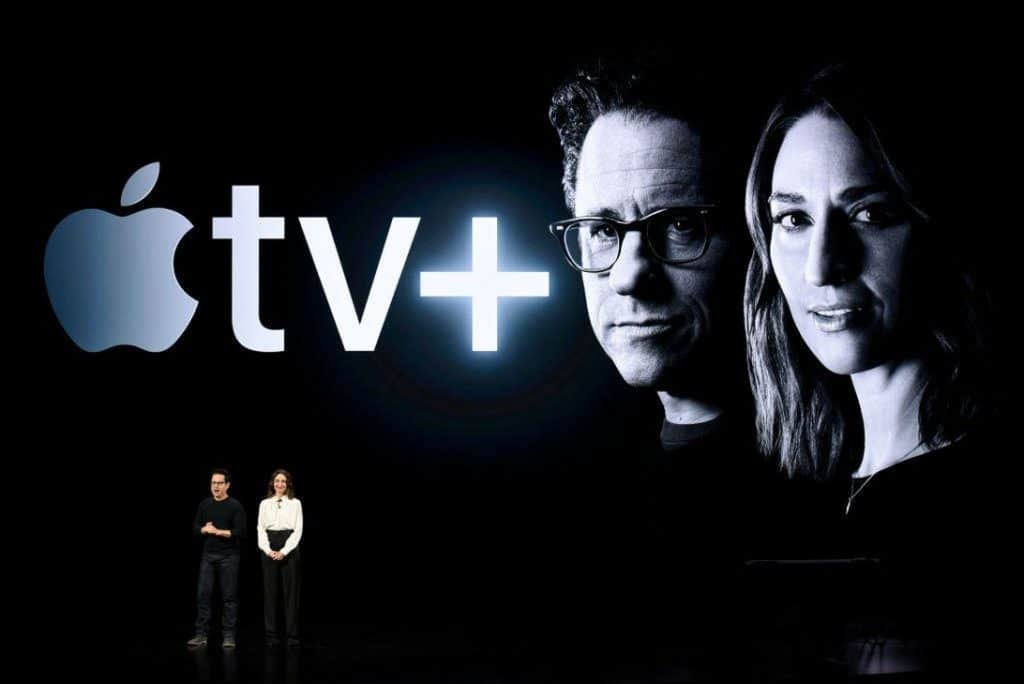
{"x": 830, "y": 256}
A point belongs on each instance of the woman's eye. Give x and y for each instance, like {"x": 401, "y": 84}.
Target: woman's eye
{"x": 876, "y": 214}
{"x": 791, "y": 221}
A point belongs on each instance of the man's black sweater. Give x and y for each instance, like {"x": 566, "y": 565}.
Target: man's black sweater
{"x": 225, "y": 515}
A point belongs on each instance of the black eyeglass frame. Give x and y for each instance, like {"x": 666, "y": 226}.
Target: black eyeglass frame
{"x": 703, "y": 211}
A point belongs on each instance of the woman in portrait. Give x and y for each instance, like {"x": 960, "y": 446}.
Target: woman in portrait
{"x": 867, "y": 339}
{"x": 868, "y": 342}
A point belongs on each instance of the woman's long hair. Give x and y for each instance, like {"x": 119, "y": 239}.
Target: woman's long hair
{"x": 807, "y": 416}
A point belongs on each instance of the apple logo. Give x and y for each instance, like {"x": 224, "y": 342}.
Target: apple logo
{"x": 111, "y": 278}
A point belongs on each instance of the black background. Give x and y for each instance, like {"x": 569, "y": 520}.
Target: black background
{"x": 442, "y": 489}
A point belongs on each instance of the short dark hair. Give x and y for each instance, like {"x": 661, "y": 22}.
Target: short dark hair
{"x": 222, "y": 471}
{"x": 643, "y": 87}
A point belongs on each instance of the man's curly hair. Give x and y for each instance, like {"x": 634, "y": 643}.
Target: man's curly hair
{"x": 641, "y": 88}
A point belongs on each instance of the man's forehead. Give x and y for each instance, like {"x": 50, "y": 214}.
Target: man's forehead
{"x": 627, "y": 161}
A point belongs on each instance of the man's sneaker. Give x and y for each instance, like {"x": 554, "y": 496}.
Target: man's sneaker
{"x": 273, "y": 642}
{"x": 197, "y": 641}
{"x": 293, "y": 643}
{"x": 229, "y": 642}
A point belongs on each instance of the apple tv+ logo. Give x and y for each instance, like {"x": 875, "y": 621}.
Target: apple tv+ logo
{"x": 111, "y": 278}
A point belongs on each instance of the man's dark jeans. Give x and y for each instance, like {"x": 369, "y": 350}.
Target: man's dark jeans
{"x": 223, "y": 568}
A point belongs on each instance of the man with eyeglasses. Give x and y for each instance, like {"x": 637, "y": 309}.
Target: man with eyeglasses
{"x": 220, "y": 520}
{"x": 653, "y": 177}
{"x": 657, "y": 234}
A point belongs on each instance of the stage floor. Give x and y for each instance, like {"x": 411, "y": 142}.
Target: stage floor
{"x": 371, "y": 655}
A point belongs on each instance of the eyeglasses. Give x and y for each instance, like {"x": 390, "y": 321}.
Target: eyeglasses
{"x": 674, "y": 235}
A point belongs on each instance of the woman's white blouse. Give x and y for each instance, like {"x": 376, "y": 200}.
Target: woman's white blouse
{"x": 279, "y": 513}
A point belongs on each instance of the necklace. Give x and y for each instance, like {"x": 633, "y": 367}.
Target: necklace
{"x": 853, "y": 494}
